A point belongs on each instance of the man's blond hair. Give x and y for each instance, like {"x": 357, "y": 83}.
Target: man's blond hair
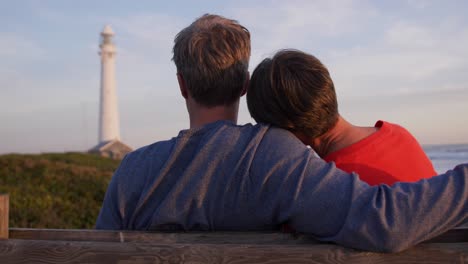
{"x": 212, "y": 55}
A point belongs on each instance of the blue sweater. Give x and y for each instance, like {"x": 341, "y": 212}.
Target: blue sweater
{"x": 256, "y": 177}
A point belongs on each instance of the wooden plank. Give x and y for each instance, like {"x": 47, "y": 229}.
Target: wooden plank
{"x": 34, "y": 251}
{"x": 455, "y": 235}
{"x": 4, "y": 215}
{"x": 65, "y": 234}
{"x": 162, "y": 237}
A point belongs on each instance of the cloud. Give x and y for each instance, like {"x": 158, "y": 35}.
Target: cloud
{"x": 308, "y": 18}
{"x": 151, "y": 28}
{"x": 406, "y": 58}
{"x": 363, "y": 44}
{"x": 420, "y": 4}
{"x": 405, "y": 35}
{"x": 18, "y": 47}
{"x": 301, "y": 24}
{"x": 17, "y": 54}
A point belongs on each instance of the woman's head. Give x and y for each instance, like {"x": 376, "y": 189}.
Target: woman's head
{"x": 293, "y": 90}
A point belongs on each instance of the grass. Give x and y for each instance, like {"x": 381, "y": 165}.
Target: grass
{"x": 56, "y": 190}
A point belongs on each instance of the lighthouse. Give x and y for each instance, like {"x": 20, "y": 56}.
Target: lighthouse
{"x": 108, "y": 111}
{"x": 109, "y": 143}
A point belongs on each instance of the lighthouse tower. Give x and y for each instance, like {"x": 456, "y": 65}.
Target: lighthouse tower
{"x": 109, "y": 135}
{"x": 108, "y": 112}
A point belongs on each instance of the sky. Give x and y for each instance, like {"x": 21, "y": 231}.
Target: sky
{"x": 405, "y": 62}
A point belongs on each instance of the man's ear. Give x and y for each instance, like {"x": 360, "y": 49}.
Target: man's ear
{"x": 182, "y": 85}
{"x": 246, "y": 85}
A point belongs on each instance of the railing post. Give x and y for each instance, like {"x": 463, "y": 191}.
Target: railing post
{"x": 4, "y": 204}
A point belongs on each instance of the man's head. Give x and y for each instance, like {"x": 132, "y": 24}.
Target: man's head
{"x": 293, "y": 90}
{"x": 212, "y": 59}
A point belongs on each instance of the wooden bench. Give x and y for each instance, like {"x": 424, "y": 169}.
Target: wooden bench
{"x": 93, "y": 246}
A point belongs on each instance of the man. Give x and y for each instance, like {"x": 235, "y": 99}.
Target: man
{"x": 217, "y": 175}
{"x": 293, "y": 90}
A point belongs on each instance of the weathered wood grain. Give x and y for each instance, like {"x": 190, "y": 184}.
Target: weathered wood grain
{"x": 4, "y": 214}
{"x": 161, "y": 237}
{"x": 452, "y": 236}
{"x": 34, "y": 251}
{"x": 96, "y": 246}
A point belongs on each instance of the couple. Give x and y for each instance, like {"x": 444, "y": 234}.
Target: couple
{"x": 218, "y": 175}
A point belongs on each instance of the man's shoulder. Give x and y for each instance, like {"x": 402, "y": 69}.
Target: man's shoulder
{"x": 268, "y": 136}
{"x": 275, "y": 136}
{"x": 163, "y": 148}
{"x": 132, "y": 169}
{"x": 257, "y": 137}
{"x": 149, "y": 151}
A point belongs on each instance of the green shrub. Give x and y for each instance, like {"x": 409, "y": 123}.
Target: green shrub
{"x": 55, "y": 190}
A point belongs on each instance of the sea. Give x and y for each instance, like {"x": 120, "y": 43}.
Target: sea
{"x": 446, "y": 157}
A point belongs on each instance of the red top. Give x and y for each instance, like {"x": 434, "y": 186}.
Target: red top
{"x": 389, "y": 155}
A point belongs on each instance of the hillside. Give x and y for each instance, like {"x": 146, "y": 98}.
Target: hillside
{"x": 55, "y": 190}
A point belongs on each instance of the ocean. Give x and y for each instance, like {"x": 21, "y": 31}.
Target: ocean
{"x": 446, "y": 157}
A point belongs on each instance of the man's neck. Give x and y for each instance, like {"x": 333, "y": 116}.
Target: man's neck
{"x": 342, "y": 135}
{"x": 201, "y": 115}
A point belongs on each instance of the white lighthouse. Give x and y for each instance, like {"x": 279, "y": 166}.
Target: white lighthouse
{"x": 108, "y": 112}
{"x": 109, "y": 132}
